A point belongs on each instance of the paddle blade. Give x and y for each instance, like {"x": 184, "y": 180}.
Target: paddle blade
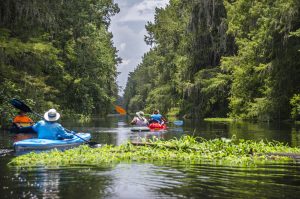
{"x": 120, "y": 110}
{"x": 20, "y": 105}
{"x": 178, "y": 122}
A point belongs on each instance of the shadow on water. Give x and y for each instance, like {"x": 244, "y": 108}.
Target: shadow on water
{"x": 157, "y": 179}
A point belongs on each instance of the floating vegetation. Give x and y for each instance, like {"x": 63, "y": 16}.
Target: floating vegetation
{"x": 218, "y": 119}
{"x": 188, "y": 149}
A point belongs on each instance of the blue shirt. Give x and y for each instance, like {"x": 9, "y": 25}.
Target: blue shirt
{"x": 50, "y": 130}
{"x": 156, "y": 117}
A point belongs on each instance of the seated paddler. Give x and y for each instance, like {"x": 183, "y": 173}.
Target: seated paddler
{"x": 22, "y": 120}
{"x": 156, "y": 117}
{"x": 139, "y": 119}
{"x": 49, "y": 128}
{"x": 22, "y": 123}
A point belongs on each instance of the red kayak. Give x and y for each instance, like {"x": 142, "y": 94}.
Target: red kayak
{"x": 157, "y": 126}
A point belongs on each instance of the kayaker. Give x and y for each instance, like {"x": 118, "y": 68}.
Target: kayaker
{"x": 22, "y": 120}
{"x": 49, "y": 128}
{"x": 139, "y": 119}
{"x": 156, "y": 117}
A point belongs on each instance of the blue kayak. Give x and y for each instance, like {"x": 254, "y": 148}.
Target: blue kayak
{"x": 46, "y": 144}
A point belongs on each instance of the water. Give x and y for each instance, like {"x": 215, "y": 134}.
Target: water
{"x": 157, "y": 180}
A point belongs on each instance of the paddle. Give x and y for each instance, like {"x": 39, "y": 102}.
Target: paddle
{"x": 120, "y": 110}
{"x": 23, "y": 107}
{"x": 178, "y": 122}
{"x": 4, "y": 152}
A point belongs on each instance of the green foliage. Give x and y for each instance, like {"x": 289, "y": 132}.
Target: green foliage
{"x": 188, "y": 149}
{"x": 219, "y": 119}
{"x": 295, "y": 103}
{"x": 179, "y": 66}
{"x": 58, "y": 54}
{"x": 160, "y": 98}
{"x": 221, "y": 58}
{"x": 136, "y": 103}
{"x": 267, "y": 63}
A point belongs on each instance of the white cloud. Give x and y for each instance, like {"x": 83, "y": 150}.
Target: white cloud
{"x": 126, "y": 62}
{"x": 122, "y": 46}
{"x": 143, "y": 11}
{"x": 129, "y": 42}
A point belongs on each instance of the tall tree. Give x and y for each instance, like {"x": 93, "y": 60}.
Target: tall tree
{"x": 221, "y": 57}
{"x": 58, "y": 53}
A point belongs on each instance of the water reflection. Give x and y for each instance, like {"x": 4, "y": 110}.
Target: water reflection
{"x": 22, "y": 136}
{"x": 195, "y": 181}
{"x": 155, "y": 180}
{"x": 58, "y": 183}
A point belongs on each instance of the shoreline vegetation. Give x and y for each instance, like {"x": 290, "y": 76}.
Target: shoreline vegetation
{"x": 191, "y": 150}
{"x": 220, "y": 120}
{"x": 238, "y": 120}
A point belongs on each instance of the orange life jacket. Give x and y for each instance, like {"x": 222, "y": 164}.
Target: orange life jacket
{"x": 22, "y": 119}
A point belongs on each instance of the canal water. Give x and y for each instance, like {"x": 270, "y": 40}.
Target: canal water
{"x": 157, "y": 180}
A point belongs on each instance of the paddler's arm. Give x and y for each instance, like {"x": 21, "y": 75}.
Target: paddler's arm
{"x": 62, "y": 133}
{"x": 133, "y": 122}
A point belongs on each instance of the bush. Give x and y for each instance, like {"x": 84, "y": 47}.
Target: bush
{"x": 295, "y": 103}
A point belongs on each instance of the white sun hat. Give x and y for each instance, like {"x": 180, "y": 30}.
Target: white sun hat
{"x": 140, "y": 114}
{"x": 52, "y": 115}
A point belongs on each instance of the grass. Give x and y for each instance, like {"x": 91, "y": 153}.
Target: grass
{"x": 188, "y": 149}
{"x": 220, "y": 119}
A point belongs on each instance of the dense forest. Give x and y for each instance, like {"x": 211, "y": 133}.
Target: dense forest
{"x": 221, "y": 58}
{"x": 58, "y": 54}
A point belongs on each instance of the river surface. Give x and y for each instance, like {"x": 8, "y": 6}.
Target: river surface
{"x": 157, "y": 180}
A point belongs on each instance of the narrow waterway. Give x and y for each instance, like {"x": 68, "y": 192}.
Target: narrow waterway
{"x": 157, "y": 180}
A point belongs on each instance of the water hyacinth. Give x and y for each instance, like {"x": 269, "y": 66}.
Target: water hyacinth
{"x": 188, "y": 149}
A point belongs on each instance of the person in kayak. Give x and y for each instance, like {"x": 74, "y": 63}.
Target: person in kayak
{"x": 139, "y": 119}
{"x": 49, "y": 128}
{"x": 22, "y": 120}
{"x": 156, "y": 117}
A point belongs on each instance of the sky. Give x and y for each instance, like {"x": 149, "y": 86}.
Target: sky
{"x": 128, "y": 28}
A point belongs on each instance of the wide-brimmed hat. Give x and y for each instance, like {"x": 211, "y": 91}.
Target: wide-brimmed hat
{"x": 140, "y": 114}
{"x": 51, "y": 115}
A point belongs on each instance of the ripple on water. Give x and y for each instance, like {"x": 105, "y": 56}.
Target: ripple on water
{"x": 206, "y": 180}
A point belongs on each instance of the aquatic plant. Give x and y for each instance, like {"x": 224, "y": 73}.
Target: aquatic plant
{"x": 188, "y": 149}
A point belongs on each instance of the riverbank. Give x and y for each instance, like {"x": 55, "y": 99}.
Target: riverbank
{"x": 217, "y": 119}
{"x": 186, "y": 149}
{"x": 220, "y": 119}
